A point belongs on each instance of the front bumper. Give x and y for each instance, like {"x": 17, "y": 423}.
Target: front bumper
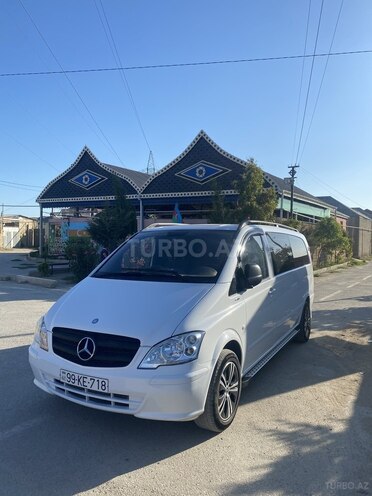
{"x": 174, "y": 393}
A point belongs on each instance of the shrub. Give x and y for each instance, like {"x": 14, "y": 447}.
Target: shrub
{"x": 334, "y": 245}
{"x": 44, "y": 269}
{"x": 82, "y": 256}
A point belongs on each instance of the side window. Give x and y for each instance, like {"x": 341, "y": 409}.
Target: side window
{"x": 300, "y": 253}
{"x": 253, "y": 252}
{"x": 281, "y": 252}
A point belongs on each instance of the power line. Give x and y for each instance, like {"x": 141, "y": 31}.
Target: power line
{"x": 321, "y": 82}
{"x": 70, "y": 82}
{"x": 115, "y": 53}
{"x": 18, "y": 187}
{"x": 21, "y": 205}
{"x": 17, "y": 101}
{"x": 183, "y": 64}
{"x": 302, "y": 77}
{"x": 63, "y": 90}
{"x": 19, "y": 184}
{"x": 309, "y": 84}
{"x": 327, "y": 186}
{"x": 29, "y": 150}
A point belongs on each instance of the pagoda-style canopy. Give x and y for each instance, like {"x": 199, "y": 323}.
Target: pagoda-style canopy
{"x": 190, "y": 180}
{"x": 90, "y": 183}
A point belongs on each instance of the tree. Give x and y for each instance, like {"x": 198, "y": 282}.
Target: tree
{"x": 255, "y": 201}
{"x": 221, "y": 213}
{"x": 110, "y": 227}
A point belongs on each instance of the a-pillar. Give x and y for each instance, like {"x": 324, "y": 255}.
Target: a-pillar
{"x": 140, "y": 213}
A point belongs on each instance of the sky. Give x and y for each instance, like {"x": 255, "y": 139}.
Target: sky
{"x": 250, "y": 109}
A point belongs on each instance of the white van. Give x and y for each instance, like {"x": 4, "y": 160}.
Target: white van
{"x": 172, "y": 323}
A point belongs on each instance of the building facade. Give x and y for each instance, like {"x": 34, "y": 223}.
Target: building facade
{"x": 18, "y": 231}
{"x": 190, "y": 181}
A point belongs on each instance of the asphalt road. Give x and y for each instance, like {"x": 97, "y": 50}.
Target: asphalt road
{"x": 304, "y": 426}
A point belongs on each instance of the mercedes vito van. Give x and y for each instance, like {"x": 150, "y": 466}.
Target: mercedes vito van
{"x": 172, "y": 323}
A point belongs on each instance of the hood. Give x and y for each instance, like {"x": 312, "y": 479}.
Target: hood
{"x": 147, "y": 310}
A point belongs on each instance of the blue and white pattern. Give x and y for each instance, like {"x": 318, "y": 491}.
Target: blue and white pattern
{"x": 87, "y": 179}
{"x": 202, "y": 172}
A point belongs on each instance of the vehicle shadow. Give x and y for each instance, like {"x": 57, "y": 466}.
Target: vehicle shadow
{"x": 317, "y": 457}
{"x": 54, "y": 447}
{"x": 298, "y": 365}
{"x": 49, "y": 446}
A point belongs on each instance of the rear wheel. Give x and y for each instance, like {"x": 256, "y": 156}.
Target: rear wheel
{"x": 223, "y": 394}
{"x": 303, "y": 334}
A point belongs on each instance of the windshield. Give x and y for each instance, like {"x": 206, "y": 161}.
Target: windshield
{"x": 171, "y": 255}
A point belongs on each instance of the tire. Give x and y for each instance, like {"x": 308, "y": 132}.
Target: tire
{"x": 223, "y": 394}
{"x": 304, "y": 329}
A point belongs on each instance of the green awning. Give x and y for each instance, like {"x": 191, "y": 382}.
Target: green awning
{"x": 303, "y": 209}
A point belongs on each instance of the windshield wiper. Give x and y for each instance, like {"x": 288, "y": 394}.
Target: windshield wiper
{"x": 152, "y": 272}
{"x": 139, "y": 273}
{"x": 107, "y": 275}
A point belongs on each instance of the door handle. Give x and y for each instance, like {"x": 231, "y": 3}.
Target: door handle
{"x": 272, "y": 291}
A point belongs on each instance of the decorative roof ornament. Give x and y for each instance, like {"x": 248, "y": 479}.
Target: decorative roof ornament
{"x": 202, "y": 172}
{"x": 87, "y": 179}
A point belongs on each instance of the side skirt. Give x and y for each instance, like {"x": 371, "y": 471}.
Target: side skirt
{"x": 258, "y": 366}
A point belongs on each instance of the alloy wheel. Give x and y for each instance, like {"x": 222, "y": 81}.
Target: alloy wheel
{"x": 228, "y": 391}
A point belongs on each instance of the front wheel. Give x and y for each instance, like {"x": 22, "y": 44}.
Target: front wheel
{"x": 223, "y": 394}
{"x": 304, "y": 331}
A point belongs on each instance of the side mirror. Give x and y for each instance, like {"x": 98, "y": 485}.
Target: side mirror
{"x": 253, "y": 275}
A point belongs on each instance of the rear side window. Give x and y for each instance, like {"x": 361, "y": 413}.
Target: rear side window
{"x": 287, "y": 252}
{"x": 281, "y": 252}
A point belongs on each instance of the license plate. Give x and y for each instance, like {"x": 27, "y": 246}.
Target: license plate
{"x": 84, "y": 381}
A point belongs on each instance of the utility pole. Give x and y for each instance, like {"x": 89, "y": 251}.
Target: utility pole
{"x": 2, "y": 227}
{"x": 292, "y": 173}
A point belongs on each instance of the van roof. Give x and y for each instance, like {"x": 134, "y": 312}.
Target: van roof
{"x": 194, "y": 227}
{"x": 226, "y": 227}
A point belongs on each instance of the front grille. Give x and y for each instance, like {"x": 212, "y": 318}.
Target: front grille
{"x": 91, "y": 397}
{"x": 110, "y": 350}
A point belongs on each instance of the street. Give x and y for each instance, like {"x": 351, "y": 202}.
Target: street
{"x": 304, "y": 425}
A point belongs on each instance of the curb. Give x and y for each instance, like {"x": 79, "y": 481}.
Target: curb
{"x": 38, "y": 281}
{"x": 330, "y": 268}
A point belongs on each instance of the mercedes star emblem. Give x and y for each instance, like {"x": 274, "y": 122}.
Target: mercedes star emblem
{"x": 85, "y": 349}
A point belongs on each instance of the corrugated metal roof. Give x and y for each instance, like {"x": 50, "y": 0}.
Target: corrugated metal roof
{"x": 137, "y": 177}
{"x": 283, "y": 185}
{"x": 343, "y": 208}
{"x": 366, "y": 212}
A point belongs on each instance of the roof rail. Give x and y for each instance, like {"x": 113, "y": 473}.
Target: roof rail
{"x": 264, "y": 223}
{"x": 162, "y": 224}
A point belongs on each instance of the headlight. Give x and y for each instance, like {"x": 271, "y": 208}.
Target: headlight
{"x": 41, "y": 334}
{"x": 177, "y": 349}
